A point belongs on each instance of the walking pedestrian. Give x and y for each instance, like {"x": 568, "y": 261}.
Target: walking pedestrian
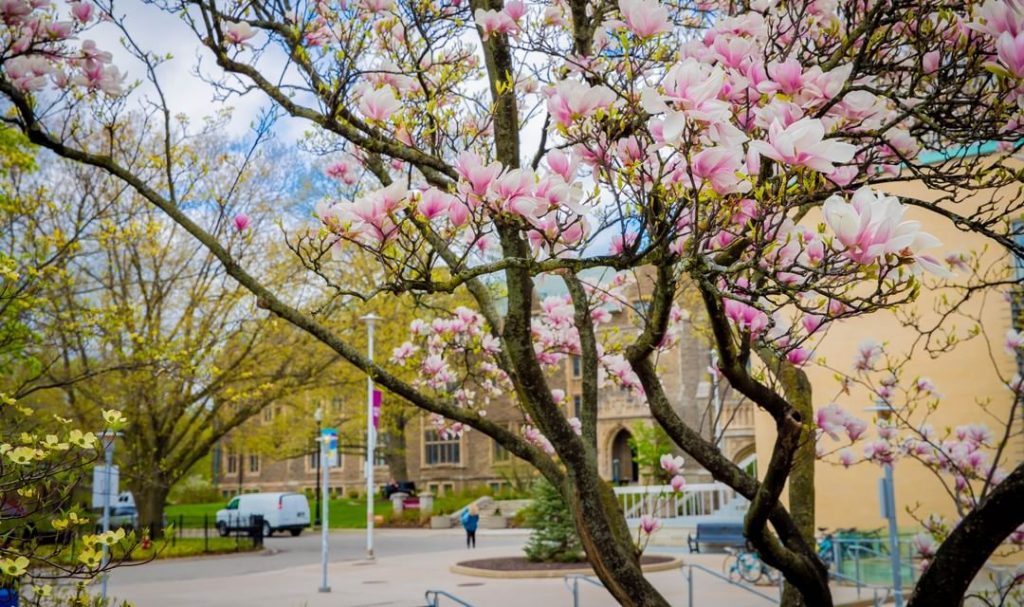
{"x": 470, "y": 519}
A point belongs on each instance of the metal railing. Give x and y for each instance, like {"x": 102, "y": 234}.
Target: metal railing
{"x": 689, "y": 583}
{"x": 869, "y": 557}
{"x": 575, "y": 588}
{"x": 702, "y": 499}
{"x": 433, "y": 598}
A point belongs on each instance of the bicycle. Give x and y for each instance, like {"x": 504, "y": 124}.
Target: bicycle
{"x": 746, "y": 565}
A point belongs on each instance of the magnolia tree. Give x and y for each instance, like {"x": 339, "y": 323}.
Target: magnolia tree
{"x": 738, "y": 149}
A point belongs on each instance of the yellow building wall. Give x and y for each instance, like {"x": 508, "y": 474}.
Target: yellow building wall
{"x": 965, "y": 376}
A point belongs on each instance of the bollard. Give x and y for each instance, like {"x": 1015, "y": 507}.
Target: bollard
{"x": 206, "y": 533}
{"x": 689, "y": 585}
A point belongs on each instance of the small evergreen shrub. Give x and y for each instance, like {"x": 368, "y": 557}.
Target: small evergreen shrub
{"x": 554, "y": 536}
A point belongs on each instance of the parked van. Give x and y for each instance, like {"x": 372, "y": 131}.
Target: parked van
{"x": 280, "y": 512}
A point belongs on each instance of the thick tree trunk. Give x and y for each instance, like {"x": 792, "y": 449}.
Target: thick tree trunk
{"x": 395, "y": 454}
{"x": 960, "y": 558}
{"x": 150, "y": 499}
{"x": 801, "y": 477}
{"x": 607, "y": 541}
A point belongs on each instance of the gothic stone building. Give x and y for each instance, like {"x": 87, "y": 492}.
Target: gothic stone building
{"x": 443, "y": 465}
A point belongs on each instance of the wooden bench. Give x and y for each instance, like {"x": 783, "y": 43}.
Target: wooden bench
{"x": 719, "y": 534}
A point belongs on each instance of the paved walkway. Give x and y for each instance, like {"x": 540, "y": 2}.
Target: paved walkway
{"x": 400, "y": 581}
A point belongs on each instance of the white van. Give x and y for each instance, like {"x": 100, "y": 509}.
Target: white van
{"x": 280, "y": 511}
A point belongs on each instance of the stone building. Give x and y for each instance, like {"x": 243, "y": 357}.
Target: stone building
{"x": 442, "y": 465}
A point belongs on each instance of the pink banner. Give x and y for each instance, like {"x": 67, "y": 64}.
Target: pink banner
{"x": 377, "y": 399}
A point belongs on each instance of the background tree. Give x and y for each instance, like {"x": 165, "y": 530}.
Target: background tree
{"x": 700, "y": 141}
{"x": 194, "y": 356}
{"x": 554, "y": 538}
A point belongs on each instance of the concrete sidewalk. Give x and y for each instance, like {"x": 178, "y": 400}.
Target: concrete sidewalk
{"x": 400, "y": 581}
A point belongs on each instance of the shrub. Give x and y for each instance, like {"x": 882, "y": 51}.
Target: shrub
{"x": 194, "y": 490}
{"x": 554, "y": 537}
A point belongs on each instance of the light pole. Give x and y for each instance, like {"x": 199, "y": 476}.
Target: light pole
{"x": 108, "y": 439}
{"x": 371, "y": 435}
{"x": 887, "y": 501}
{"x": 324, "y": 442}
{"x": 318, "y": 415}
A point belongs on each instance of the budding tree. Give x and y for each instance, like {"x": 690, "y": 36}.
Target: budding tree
{"x": 738, "y": 149}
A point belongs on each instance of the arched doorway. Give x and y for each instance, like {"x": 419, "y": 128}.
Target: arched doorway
{"x": 624, "y": 466}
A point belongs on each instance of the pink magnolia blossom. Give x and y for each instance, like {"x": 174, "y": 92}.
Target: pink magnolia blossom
{"x": 571, "y": 100}
{"x": 645, "y": 18}
{"x": 342, "y": 170}
{"x": 720, "y": 167}
{"x": 812, "y": 322}
{"x": 379, "y": 104}
{"x": 477, "y": 175}
{"x": 515, "y": 9}
{"x": 649, "y": 524}
{"x": 745, "y": 317}
{"x": 242, "y": 222}
{"x": 238, "y": 33}
{"x": 872, "y": 226}
{"x": 798, "y": 356}
{"x": 1014, "y": 341}
{"x": 1010, "y": 50}
{"x": 494, "y": 22}
{"x": 576, "y": 425}
{"x": 433, "y": 202}
{"x": 880, "y": 452}
{"x": 833, "y": 419}
{"x": 924, "y": 545}
{"x": 930, "y": 62}
{"x": 847, "y": 457}
{"x": 868, "y": 353}
{"x": 786, "y": 77}
{"x": 678, "y": 483}
{"x": 672, "y": 464}
{"x": 803, "y": 143}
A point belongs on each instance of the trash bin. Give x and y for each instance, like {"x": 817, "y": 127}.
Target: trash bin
{"x": 8, "y": 597}
{"x": 256, "y": 530}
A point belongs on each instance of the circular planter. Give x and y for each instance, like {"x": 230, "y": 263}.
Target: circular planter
{"x": 516, "y": 567}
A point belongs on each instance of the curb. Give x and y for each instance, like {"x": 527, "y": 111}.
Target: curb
{"x": 460, "y": 569}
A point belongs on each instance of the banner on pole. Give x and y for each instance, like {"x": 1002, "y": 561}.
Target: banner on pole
{"x": 330, "y": 436}
{"x": 377, "y": 400}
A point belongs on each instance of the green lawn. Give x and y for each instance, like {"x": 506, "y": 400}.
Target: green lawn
{"x": 343, "y": 513}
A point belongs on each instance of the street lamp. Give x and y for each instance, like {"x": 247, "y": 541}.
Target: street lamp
{"x": 318, "y": 415}
{"x": 108, "y": 439}
{"x": 887, "y": 500}
{"x": 371, "y": 434}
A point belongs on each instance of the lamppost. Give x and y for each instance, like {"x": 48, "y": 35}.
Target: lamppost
{"x": 318, "y": 415}
{"x": 887, "y": 500}
{"x": 108, "y": 439}
{"x": 371, "y": 435}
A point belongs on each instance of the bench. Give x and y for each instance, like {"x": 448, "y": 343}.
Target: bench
{"x": 719, "y": 534}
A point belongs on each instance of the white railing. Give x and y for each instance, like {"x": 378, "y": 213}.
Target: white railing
{"x": 700, "y": 500}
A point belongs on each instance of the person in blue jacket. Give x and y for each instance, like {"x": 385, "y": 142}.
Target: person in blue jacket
{"x": 470, "y": 518}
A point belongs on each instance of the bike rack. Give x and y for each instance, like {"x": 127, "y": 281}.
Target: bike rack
{"x": 433, "y": 598}
{"x": 689, "y": 583}
{"x": 575, "y": 589}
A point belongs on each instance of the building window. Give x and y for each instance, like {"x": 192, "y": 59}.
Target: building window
{"x": 495, "y": 487}
{"x": 499, "y": 454}
{"x": 432, "y": 487}
{"x": 440, "y": 450}
{"x": 313, "y": 460}
{"x": 232, "y": 463}
{"x": 380, "y": 450}
{"x": 268, "y": 414}
{"x": 254, "y": 463}
{"x": 448, "y": 488}
{"x": 577, "y": 405}
{"x": 577, "y": 366}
